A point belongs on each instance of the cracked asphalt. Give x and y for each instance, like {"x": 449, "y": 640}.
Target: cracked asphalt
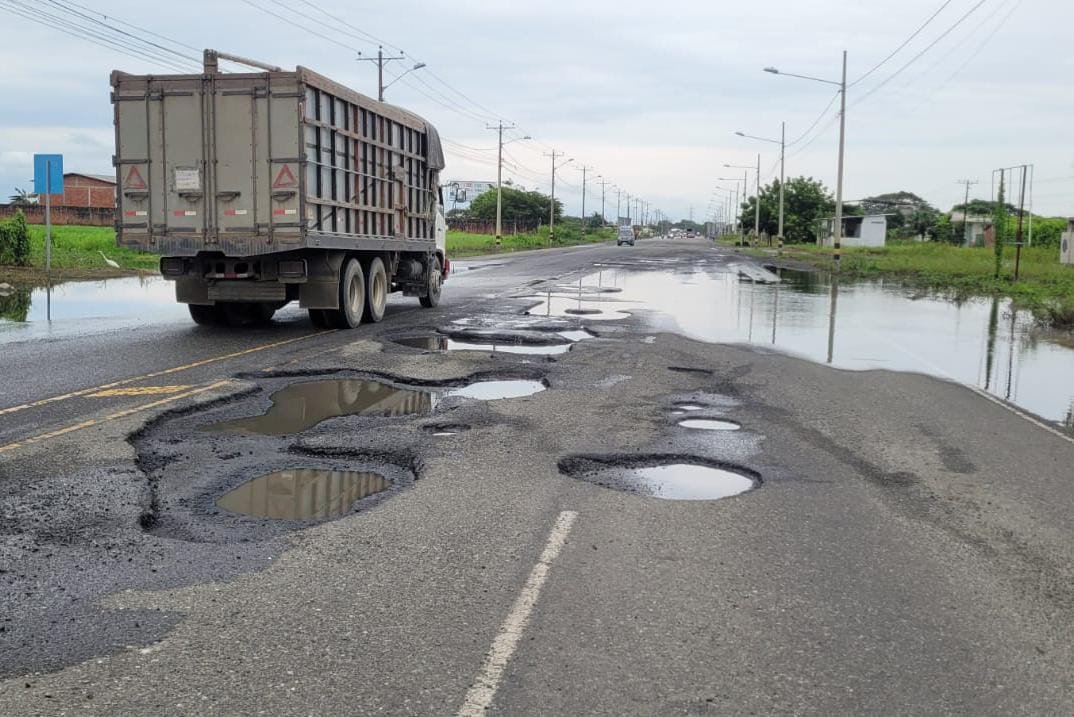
{"x": 908, "y": 550}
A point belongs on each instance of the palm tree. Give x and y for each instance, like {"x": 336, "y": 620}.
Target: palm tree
{"x": 23, "y": 198}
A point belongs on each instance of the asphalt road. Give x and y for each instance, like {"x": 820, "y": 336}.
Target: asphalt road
{"x": 907, "y": 551}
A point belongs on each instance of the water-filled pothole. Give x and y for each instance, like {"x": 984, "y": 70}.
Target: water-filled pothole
{"x": 493, "y": 390}
{"x": 709, "y": 424}
{"x": 303, "y": 493}
{"x": 687, "y": 406}
{"x": 444, "y": 343}
{"x": 665, "y": 477}
{"x": 303, "y": 405}
{"x": 300, "y": 406}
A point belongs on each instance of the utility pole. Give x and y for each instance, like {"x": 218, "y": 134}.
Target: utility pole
{"x": 782, "y": 153}
{"x": 618, "y": 204}
{"x": 838, "y": 235}
{"x": 966, "y": 205}
{"x": 552, "y": 204}
{"x": 757, "y": 206}
{"x": 603, "y": 184}
{"x": 380, "y": 59}
{"x": 584, "y": 170}
{"x": 499, "y": 127}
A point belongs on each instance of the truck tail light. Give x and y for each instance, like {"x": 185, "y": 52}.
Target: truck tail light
{"x": 172, "y": 266}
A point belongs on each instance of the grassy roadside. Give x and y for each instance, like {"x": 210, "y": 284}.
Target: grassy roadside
{"x": 74, "y": 256}
{"x": 1045, "y": 286}
{"x": 460, "y": 244}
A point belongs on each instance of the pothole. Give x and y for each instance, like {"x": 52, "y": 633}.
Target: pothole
{"x": 301, "y": 406}
{"x": 445, "y": 343}
{"x": 445, "y": 429}
{"x": 687, "y": 406}
{"x": 493, "y": 390}
{"x": 665, "y": 477}
{"x": 709, "y": 424}
{"x": 582, "y": 312}
{"x": 303, "y": 493}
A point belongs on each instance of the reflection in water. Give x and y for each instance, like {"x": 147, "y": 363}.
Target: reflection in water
{"x": 14, "y": 304}
{"x": 686, "y": 481}
{"x": 304, "y": 405}
{"x": 443, "y": 343}
{"x": 866, "y": 325}
{"x": 302, "y": 493}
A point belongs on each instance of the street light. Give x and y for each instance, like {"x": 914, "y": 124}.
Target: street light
{"x": 737, "y": 205}
{"x": 381, "y": 60}
{"x": 837, "y": 230}
{"x": 782, "y": 142}
{"x": 417, "y": 66}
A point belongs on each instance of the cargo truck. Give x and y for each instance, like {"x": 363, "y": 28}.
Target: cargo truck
{"x": 265, "y": 187}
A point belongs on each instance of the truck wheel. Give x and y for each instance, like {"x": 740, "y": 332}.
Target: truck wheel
{"x": 205, "y": 315}
{"x": 351, "y": 296}
{"x": 432, "y": 290}
{"x": 376, "y": 286}
{"x": 320, "y": 318}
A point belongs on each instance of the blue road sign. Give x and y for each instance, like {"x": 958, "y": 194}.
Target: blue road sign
{"x": 48, "y": 173}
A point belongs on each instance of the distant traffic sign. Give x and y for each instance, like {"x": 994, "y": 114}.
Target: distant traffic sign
{"x": 48, "y": 173}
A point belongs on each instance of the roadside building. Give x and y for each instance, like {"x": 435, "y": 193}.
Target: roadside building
{"x": 868, "y": 230}
{"x": 976, "y": 228}
{"x": 87, "y": 199}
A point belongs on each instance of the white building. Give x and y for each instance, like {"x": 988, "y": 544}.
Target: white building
{"x": 869, "y": 230}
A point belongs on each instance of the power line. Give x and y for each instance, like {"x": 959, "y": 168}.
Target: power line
{"x": 914, "y": 59}
{"x": 816, "y": 121}
{"x": 906, "y": 42}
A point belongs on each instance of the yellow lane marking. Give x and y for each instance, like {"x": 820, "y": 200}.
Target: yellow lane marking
{"x": 175, "y": 369}
{"x": 139, "y": 391}
{"x": 110, "y": 417}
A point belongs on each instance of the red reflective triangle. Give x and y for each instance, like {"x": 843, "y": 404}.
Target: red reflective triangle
{"x": 284, "y": 178}
{"x": 134, "y": 179}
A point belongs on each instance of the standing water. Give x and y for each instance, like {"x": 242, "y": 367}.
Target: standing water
{"x": 980, "y": 342}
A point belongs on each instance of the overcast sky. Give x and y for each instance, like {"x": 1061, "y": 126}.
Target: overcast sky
{"x": 648, "y": 94}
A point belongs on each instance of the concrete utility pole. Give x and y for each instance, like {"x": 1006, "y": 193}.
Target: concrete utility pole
{"x": 552, "y": 205}
{"x": 837, "y": 231}
{"x": 757, "y": 205}
{"x": 584, "y": 169}
{"x": 966, "y": 205}
{"x": 500, "y": 127}
{"x": 381, "y": 59}
{"x": 603, "y": 184}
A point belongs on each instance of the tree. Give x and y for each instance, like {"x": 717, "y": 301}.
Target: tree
{"x": 23, "y": 198}
{"x": 805, "y": 201}
{"x": 518, "y": 206}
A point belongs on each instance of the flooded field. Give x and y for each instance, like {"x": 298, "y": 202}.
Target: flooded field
{"x": 867, "y": 325}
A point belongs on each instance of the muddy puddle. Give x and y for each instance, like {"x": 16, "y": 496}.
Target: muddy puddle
{"x": 708, "y": 424}
{"x": 303, "y": 405}
{"x": 445, "y": 343}
{"x": 981, "y": 342}
{"x": 303, "y": 494}
{"x": 669, "y": 479}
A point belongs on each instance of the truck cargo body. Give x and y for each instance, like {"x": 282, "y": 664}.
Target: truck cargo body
{"x": 261, "y": 188}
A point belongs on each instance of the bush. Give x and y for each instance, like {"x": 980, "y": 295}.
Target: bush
{"x": 15, "y": 241}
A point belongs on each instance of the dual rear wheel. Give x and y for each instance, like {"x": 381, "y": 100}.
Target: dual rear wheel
{"x": 363, "y": 295}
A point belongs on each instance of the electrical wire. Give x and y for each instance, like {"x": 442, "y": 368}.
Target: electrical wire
{"x": 905, "y": 42}
{"x": 914, "y": 59}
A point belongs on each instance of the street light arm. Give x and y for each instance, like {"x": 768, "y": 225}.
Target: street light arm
{"x": 762, "y": 139}
{"x": 415, "y": 67}
{"x": 774, "y": 71}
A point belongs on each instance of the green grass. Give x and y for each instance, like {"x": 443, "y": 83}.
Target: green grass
{"x": 1044, "y": 286}
{"x": 76, "y": 247}
{"x": 465, "y": 244}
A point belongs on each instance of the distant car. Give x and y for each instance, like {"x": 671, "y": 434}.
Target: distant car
{"x": 626, "y": 236}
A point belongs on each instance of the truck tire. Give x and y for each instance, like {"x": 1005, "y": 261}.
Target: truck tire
{"x": 320, "y": 318}
{"x": 431, "y": 297}
{"x": 205, "y": 315}
{"x": 376, "y": 286}
{"x": 351, "y": 296}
